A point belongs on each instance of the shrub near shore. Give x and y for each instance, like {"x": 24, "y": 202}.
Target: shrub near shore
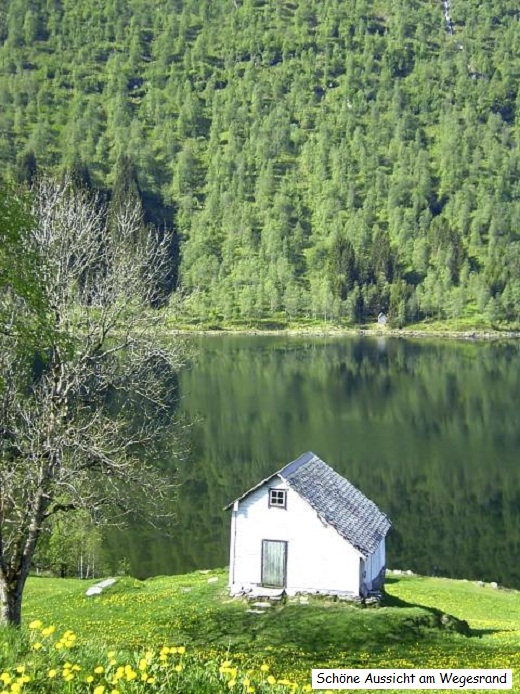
{"x": 183, "y": 634}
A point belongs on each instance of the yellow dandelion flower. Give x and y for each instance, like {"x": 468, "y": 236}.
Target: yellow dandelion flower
{"x": 271, "y": 679}
{"x": 89, "y": 679}
{"x": 130, "y": 675}
{"x": 174, "y": 649}
{"x": 264, "y": 667}
{"x": 76, "y": 668}
{"x": 226, "y": 663}
{"x": 35, "y": 624}
{"x": 163, "y": 657}
{"x": 48, "y": 630}
{"x": 5, "y": 677}
{"x": 52, "y": 673}
{"x": 20, "y": 669}
{"x": 114, "y": 691}
{"x": 143, "y": 664}
{"x": 164, "y": 650}
{"x": 59, "y": 645}
{"x": 231, "y": 683}
{"x": 99, "y": 670}
{"x": 111, "y": 654}
{"x": 16, "y": 688}
{"x": 246, "y": 681}
{"x": 99, "y": 689}
{"x": 150, "y": 680}
{"x": 112, "y": 661}
{"x": 69, "y": 677}
{"x": 181, "y": 650}
{"x": 178, "y": 668}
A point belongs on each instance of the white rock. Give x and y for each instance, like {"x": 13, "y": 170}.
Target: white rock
{"x": 255, "y": 611}
{"x": 261, "y": 592}
{"x": 94, "y": 590}
{"x": 213, "y": 579}
{"x": 493, "y": 584}
{"x": 262, "y": 605}
{"x": 97, "y": 588}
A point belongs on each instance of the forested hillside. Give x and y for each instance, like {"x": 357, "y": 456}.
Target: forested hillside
{"x": 318, "y": 158}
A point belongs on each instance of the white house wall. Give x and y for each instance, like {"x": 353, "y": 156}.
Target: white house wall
{"x": 373, "y": 565}
{"x": 318, "y": 558}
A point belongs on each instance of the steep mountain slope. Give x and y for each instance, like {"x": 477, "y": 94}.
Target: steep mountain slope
{"x": 318, "y": 158}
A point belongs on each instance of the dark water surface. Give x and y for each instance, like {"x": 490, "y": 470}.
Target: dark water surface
{"x": 429, "y": 430}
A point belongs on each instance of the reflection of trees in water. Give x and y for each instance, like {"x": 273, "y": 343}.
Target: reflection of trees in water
{"x": 428, "y": 430}
{"x": 142, "y": 543}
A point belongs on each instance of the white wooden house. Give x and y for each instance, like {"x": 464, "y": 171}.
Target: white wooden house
{"x": 307, "y": 529}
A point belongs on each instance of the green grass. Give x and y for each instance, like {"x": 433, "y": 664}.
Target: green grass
{"x": 134, "y": 617}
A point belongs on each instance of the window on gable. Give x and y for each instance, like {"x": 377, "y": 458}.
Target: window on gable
{"x": 278, "y": 498}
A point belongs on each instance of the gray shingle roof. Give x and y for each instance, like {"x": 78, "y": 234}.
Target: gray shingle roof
{"x": 335, "y": 500}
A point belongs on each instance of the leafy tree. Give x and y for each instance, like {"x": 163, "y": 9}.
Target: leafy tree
{"x": 342, "y": 267}
{"x": 71, "y": 545}
{"x": 27, "y": 168}
{"x": 23, "y": 303}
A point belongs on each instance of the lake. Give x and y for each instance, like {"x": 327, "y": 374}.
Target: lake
{"x": 429, "y": 430}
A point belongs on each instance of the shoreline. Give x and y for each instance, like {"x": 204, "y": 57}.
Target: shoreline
{"x": 467, "y": 335}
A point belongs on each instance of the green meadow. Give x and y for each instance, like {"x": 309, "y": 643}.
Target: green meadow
{"x": 185, "y": 634}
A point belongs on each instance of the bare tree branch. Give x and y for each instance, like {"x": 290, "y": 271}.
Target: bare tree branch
{"x": 81, "y": 428}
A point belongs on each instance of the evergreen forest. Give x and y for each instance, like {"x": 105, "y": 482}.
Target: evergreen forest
{"x": 316, "y": 159}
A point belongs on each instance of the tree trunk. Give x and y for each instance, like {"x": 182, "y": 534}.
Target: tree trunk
{"x": 11, "y": 602}
{"x": 13, "y": 573}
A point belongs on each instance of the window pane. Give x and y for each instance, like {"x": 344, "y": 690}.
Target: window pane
{"x": 277, "y": 497}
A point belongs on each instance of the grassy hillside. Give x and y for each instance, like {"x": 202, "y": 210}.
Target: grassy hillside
{"x": 135, "y": 620}
{"x": 319, "y": 159}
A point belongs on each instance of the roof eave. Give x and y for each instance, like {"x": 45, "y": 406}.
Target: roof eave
{"x": 250, "y": 491}
{"x": 243, "y": 496}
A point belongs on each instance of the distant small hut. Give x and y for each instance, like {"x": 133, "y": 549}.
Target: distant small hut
{"x": 382, "y": 319}
{"x": 307, "y": 529}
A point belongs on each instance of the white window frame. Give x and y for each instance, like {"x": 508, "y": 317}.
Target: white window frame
{"x": 277, "y": 498}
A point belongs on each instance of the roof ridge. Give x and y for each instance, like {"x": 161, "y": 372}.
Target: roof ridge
{"x": 335, "y": 499}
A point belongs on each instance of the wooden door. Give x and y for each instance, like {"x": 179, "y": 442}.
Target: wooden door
{"x": 274, "y": 563}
